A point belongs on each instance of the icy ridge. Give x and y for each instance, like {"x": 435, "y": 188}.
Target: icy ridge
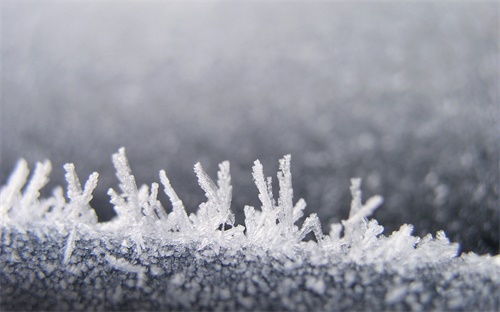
{"x": 142, "y": 221}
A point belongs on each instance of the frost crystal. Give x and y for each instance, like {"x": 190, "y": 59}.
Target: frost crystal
{"x": 140, "y": 216}
{"x": 145, "y": 243}
{"x": 79, "y": 199}
{"x": 12, "y": 191}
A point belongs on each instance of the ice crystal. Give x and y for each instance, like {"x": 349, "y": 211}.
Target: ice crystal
{"x": 140, "y": 216}
{"x": 143, "y": 243}
{"x": 275, "y": 223}
{"x": 79, "y": 206}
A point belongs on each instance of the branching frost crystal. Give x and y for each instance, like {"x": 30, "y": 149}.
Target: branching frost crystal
{"x": 140, "y": 216}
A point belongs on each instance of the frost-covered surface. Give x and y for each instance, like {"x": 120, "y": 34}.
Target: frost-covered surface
{"x": 55, "y": 255}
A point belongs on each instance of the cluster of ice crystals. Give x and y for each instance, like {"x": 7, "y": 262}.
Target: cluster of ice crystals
{"x": 142, "y": 220}
{"x": 274, "y": 224}
{"x": 23, "y": 206}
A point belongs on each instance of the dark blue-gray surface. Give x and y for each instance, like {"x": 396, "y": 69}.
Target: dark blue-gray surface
{"x": 402, "y": 95}
{"x": 183, "y": 277}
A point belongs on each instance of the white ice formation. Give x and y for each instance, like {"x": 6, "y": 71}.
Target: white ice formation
{"x": 142, "y": 218}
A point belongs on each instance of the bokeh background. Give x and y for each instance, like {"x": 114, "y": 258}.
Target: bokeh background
{"x": 405, "y": 96}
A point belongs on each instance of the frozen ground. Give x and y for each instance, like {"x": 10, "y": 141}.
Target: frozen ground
{"x": 190, "y": 279}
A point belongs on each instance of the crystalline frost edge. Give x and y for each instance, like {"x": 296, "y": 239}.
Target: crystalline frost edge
{"x": 141, "y": 218}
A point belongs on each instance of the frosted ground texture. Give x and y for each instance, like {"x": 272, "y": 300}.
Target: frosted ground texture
{"x": 55, "y": 255}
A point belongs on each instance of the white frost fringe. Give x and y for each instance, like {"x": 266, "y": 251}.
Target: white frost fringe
{"x": 141, "y": 218}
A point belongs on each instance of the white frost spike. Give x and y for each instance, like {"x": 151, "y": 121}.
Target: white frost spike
{"x": 58, "y": 204}
{"x": 437, "y": 249}
{"x": 270, "y": 192}
{"x": 14, "y": 185}
{"x": 79, "y": 199}
{"x": 127, "y": 185}
{"x": 37, "y": 182}
{"x": 150, "y": 205}
{"x": 250, "y": 221}
{"x": 225, "y": 192}
{"x": 401, "y": 243}
{"x": 335, "y": 231}
{"x": 356, "y": 204}
{"x": 353, "y": 227}
{"x": 147, "y": 209}
{"x": 74, "y": 186}
{"x": 298, "y": 210}
{"x": 89, "y": 214}
{"x": 155, "y": 205}
{"x": 285, "y": 201}
{"x": 275, "y": 225}
{"x": 311, "y": 223}
{"x": 143, "y": 195}
{"x": 206, "y": 183}
{"x": 265, "y": 194}
{"x": 119, "y": 204}
{"x": 366, "y": 210}
{"x": 178, "y": 218}
{"x": 70, "y": 245}
{"x": 216, "y": 211}
{"x": 32, "y": 192}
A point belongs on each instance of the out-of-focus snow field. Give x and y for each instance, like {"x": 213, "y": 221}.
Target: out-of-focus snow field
{"x": 403, "y": 95}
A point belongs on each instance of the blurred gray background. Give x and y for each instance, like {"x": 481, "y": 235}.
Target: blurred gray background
{"x": 403, "y": 95}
